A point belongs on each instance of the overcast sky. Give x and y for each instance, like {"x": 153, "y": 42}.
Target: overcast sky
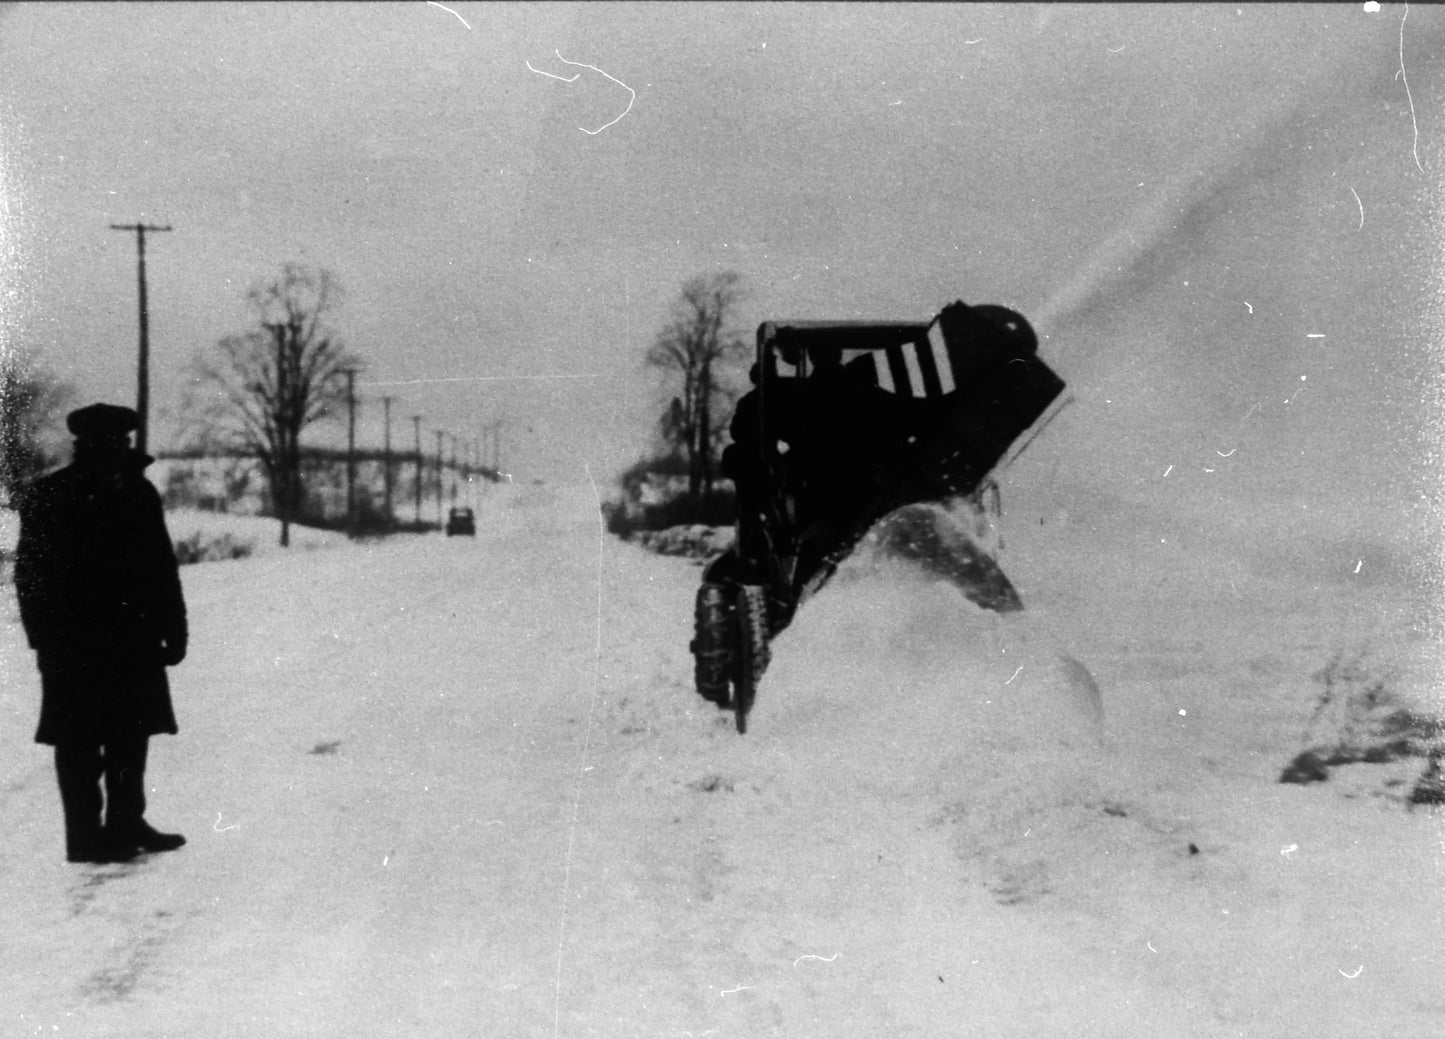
{"x": 1208, "y": 211}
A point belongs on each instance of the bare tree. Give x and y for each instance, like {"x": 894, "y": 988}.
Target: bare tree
{"x": 31, "y": 399}
{"x": 689, "y": 351}
{"x": 264, "y": 387}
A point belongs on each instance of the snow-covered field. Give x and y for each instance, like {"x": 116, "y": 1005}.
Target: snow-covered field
{"x": 464, "y": 787}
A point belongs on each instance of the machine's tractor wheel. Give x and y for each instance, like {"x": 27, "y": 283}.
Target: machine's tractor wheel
{"x": 752, "y": 653}
{"x": 712, "y": 644}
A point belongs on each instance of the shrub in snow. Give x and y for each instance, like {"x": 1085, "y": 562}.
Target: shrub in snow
{"x": 1360, "y": 717}
{"x": 653, "y": 496}
{"x": 694, "y": 540}
{"x": 1430, "y": 788}
{"x": 208, "y": 548}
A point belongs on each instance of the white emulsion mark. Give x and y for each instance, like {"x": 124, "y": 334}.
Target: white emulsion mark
{"x": 1415, "y": 150}
{"x": 810, "y": 956}
{"x": 448, "y": 10}
{"x": 594, "y": 68}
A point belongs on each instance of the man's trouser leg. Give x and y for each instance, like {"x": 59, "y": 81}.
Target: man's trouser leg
{"x": 78, "y": 769}
{"x": 125, "y": 799}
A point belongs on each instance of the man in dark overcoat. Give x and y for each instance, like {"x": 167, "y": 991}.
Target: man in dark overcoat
{"x": 100, "y": 599}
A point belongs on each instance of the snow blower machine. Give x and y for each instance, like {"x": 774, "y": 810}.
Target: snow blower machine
{"x": 846, "y": 423}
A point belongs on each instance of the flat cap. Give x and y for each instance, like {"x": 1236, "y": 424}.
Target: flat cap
{"x": 102, "y": 421}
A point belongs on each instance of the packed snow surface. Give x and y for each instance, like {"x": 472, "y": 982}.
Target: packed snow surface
{"x": 464, "y": 787}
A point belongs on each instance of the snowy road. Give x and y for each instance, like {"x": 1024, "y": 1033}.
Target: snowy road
{"x": 413, "y": 788}
{"x": 378, "y": 782}
{"x": 455, "y": 787}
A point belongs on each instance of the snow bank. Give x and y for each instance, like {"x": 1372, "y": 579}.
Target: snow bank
{"x": 892, "y": 682}
{"x": 885, "y": 641}
{"x": 693, "y": 540}
{"x": 260, "y": 535}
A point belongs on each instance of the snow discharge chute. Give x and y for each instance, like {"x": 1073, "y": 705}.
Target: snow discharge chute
{"x": 849, "y": 424}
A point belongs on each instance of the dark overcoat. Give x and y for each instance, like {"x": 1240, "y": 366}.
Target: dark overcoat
{"x": 99, "y": 593}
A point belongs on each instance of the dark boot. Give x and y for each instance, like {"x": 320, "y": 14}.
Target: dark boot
{"x": 125, "y": 766}
{"x": 148, "y": 838}
{"x": 78, "y": 768}
{"x": 102, "y": 852}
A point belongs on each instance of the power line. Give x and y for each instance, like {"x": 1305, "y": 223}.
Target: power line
{"x": 484, "y": 378}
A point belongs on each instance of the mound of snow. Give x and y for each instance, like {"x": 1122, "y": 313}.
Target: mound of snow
{"x": 897, "y": 683}
{"x": 893, "y": 704}
{"x": 261, "y": 533}
{"x": 202, "y": 536}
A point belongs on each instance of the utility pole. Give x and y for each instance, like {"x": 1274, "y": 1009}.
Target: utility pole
{"x": 386, "y": 474}
{"x": 466, "y": 471}
{"x": 416, "y": 427}
{"x": 439, "y": 478}
{"x": 142, "y": 396}
{"x": 454, "y": 468}
{"x": 350, "y": 449}
{"x": 288, "y": 447}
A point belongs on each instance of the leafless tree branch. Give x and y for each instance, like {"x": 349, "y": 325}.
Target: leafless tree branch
{"x": 263, "y": 388}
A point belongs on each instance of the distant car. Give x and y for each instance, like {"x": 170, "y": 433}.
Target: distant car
{"x": 461, "y": 521}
